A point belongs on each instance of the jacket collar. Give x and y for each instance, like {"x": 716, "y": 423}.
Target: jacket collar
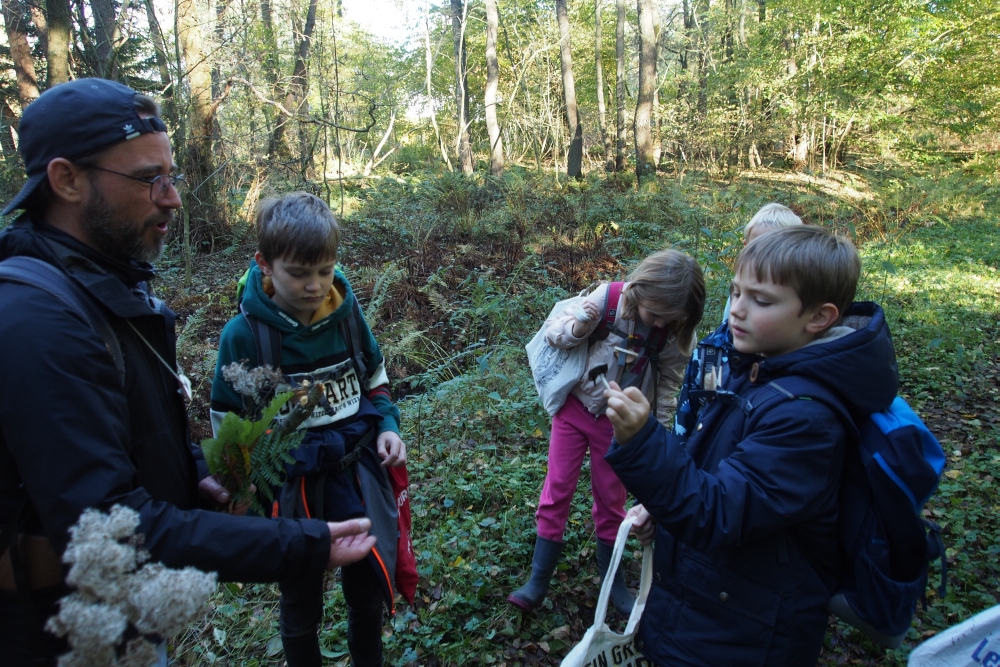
{"x": 119, "y": 286}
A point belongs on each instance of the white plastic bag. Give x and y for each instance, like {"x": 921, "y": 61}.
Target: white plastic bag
{"x": 556, "y": 371}
{"x": 602, "y": 646}
{"x": 973, "y": 643}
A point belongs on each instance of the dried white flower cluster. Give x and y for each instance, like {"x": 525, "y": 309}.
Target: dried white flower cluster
{"x": 113, "y": 594}
{"x": 251, "y": 383}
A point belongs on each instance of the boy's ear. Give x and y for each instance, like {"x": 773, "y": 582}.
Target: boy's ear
{"x": 265, "y": 268}
{"x": 823, "y": 318}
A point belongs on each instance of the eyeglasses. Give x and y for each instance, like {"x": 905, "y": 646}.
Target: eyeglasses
{"x": 159, "y": 186}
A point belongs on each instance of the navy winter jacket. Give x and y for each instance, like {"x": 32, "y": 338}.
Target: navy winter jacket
{"x": 746, "y": 551}
{"x": 72, "y": 437}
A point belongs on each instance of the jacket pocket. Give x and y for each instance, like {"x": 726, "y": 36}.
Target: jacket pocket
{"x": 723, "y": 618}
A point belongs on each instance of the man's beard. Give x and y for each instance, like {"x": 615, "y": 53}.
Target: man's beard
{"x": 118, "y": 237}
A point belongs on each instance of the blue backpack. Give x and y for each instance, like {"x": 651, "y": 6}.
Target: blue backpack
{"x": 891, "y": 469}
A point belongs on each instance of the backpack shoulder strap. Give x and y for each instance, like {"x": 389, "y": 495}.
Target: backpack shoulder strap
{"x": 607, "y": 324}
{"x": 266, "y": 338}
{"x": 42, "y": 275}
{"x": 352, "y": 338}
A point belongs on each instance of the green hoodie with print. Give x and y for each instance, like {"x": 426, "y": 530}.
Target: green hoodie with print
{"x": 317, "y": 348}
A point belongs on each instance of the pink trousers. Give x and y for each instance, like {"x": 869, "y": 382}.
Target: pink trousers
{"x": 574, "y": 431}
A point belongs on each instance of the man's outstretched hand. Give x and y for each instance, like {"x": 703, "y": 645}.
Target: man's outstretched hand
{"x": 349, "y": 541}
{"x": 628, "y": 411}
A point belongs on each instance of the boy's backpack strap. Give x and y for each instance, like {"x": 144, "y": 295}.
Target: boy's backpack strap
{"x": 352, "y": 337}
{"x": 42, "y": 275}
{"x": 266, "y": 338}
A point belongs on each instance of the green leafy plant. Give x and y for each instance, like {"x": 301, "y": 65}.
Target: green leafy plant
{"x": 249, "y": 452}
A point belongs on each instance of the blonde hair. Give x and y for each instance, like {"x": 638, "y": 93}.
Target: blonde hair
{"x": 772, "y": 216}
{"x": 821, "y": 267}
{"x": 672, "y": 281}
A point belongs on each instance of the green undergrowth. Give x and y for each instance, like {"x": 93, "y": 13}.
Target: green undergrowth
{"x": 460, "y": 273}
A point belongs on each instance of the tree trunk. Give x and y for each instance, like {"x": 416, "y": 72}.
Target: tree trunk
{"x": 220, "y": 35}
{"x": 202, "y": 201}
{"x": 57, "y": 51}
{"x": 295, "y": 96}
{"x": 620, "y": 87}
{"x": 458, "y": 16}
{"x": 429, "y": 60}
{"x": 574, "y": 160}
{"x": 105, "y": 28}
{"x": 644, "y": 159}
{"x": 602, "y": 115}
{"x": 16, "y": 23}
{"x": 490, "y": 97}
{"x": 655, "y": 124}
{"x": 159, "y": 47}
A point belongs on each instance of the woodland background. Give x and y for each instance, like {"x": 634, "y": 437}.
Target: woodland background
{"x": 502, "y": 153}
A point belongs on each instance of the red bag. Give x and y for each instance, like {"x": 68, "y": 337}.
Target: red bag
{"x": 406, "y": 563}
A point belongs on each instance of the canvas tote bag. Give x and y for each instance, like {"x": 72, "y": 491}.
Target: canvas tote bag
{"x": 973, "y": 643}
{"x": 602, "y": 646}
{"x": 555, "y": 371}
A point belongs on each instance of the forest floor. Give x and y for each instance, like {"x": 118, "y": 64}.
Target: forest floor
{"x": 455, "y": 276}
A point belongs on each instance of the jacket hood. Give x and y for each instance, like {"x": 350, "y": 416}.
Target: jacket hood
{"x": 257, "y": 303}
{"x": 855, "y": 360}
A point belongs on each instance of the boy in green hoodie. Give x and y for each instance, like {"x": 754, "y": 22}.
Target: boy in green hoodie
{"x": 295, "y": 294}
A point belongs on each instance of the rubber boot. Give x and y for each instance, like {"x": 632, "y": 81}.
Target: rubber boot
{"x": 543, "y": 564}
{"x": 621, "y": 598}
{"x": 302, "y": 651}
{"x": 364, "y": 636}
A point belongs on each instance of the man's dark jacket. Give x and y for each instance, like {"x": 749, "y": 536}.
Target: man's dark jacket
{"x": 72, "y": 437}
{"x": 746, "y": 548}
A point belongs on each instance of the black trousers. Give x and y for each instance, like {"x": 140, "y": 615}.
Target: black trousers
{"x": 302, "y": 611}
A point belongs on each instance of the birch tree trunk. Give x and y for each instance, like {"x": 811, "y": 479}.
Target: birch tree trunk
{"x": 20, "y": 51}
{"x": 602, "y": 116}
{"x": 574, "y": 159}
{"x": 620, "y": 86}
{"x": 492, "y": 82}
{"x": 644, "y": 159}
{"x": 458, "y": 16}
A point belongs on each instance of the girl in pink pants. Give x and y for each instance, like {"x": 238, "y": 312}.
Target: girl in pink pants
{"x": 653, "y": 317}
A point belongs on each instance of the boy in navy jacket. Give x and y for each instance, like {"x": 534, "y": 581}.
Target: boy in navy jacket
{"x": 744, "y": 511}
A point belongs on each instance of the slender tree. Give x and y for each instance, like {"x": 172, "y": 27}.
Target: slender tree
{"x": 57, "y": 48}
{"x": 458, "y": 16}
{"x": 492, "y": 81}
{"x": 106, "y": 35}
{"x": 602, "y": 114}
{"x": 295, "y": 95}
{"x": 574, "y": 159}
{"x": 620, "y": 86}
{"x": 645, "y": 164}
{"x": 16, "y": 24}
{"x": 429, "y": 61}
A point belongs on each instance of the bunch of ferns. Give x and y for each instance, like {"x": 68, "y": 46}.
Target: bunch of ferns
{"x": 250, "y": 453}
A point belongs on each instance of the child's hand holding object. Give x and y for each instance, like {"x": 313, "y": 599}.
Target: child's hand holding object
{"x": 628, "y": 411}
{"x": 644, "y": 527}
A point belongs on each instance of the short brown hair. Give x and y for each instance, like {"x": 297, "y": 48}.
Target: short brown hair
{"x": 821, "y": 267}
{"x": 672, "y": 283}
{"x": 298, "y": 227}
